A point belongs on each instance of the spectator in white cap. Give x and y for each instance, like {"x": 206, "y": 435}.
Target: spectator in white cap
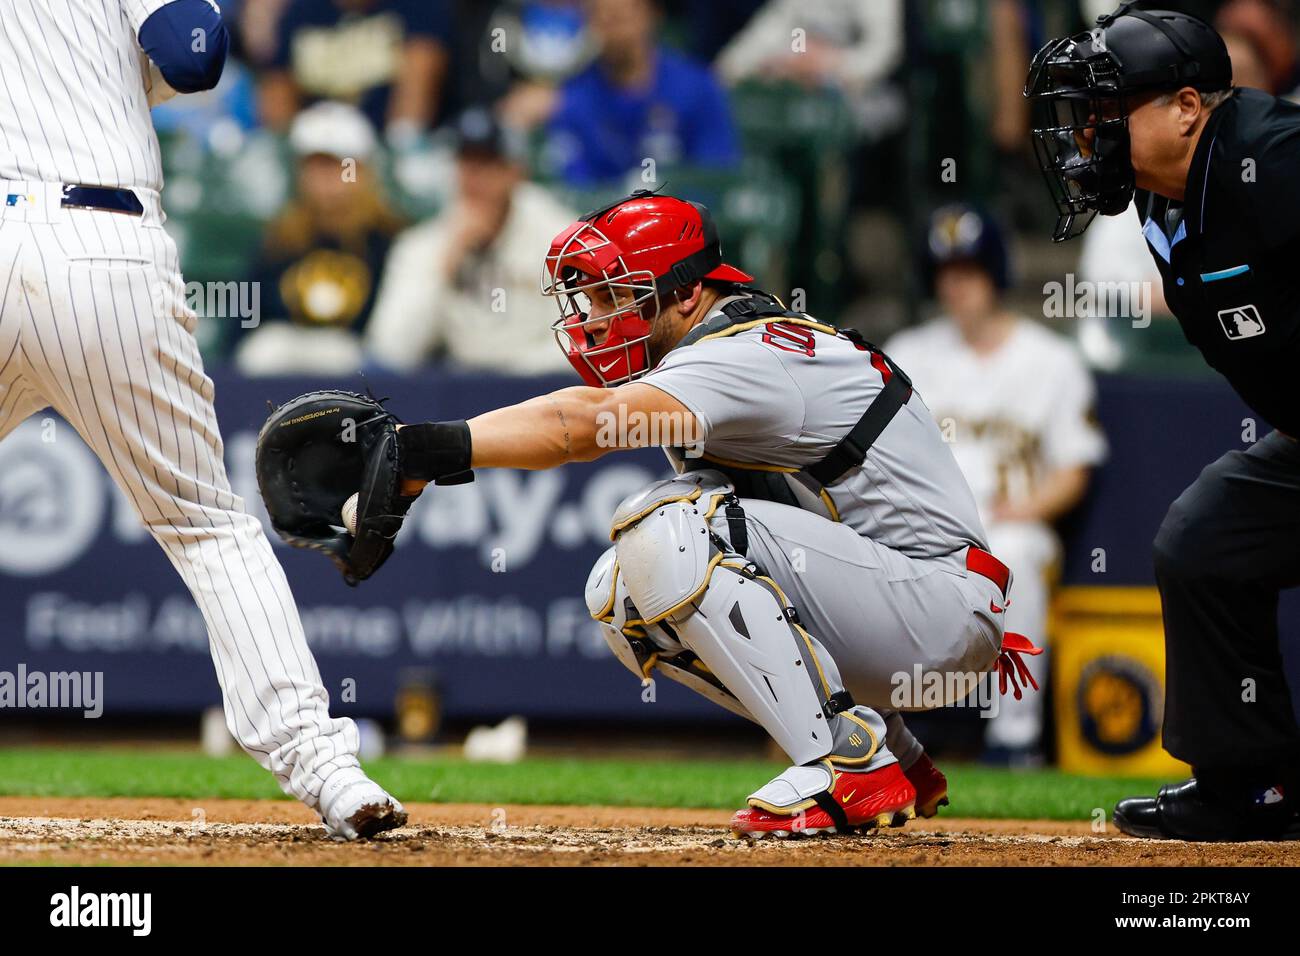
{"x": 321, "y": 258}
{"x": 464, "y": 286}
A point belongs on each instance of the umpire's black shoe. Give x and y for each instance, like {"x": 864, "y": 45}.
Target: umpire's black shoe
{"x": 1185, "y": 811}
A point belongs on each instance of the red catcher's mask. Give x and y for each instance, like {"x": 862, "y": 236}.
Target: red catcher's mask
{"x": 623, "y": 259}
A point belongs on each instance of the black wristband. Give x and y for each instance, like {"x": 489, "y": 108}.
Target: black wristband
{"x": 435, "y": 451}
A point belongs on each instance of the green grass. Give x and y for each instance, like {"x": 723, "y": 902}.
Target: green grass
{"x": 975, "y": 791}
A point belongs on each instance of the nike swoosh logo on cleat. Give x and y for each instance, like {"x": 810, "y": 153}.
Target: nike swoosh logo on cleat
{"x": 849, "y": 796}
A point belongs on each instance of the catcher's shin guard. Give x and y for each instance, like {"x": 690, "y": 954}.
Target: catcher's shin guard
{"x": 643, "y": 648}
{"x": 737, "y": 622}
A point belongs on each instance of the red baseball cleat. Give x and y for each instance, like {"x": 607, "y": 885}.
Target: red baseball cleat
{"x": 931, "y": 786}
{"x": 879, "y": 798}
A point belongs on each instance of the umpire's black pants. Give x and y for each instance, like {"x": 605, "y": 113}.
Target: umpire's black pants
{"x": 1228, "y": 545}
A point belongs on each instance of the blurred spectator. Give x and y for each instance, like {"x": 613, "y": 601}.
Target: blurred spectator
{"x": 550, "y": 37}
{"x": 639, "y": 100}
{"x": 388, "y": 57}
{"x": 1009, "y": 42}
{"x": 711, "y": 24}
{"x": 1115, "y": 255}
{"x": 215, "y": 117}
{"x": 320, "y": 262}
{"x": 466, "y": 284}
{"x": 848, "y": 45}
{"x": 257, "y": 27}
{"x": 1261, "y": 41}
{"x": 1015, "y": 402}
{"x": 545, "y": 42}
{"x": 1248, "y": 67}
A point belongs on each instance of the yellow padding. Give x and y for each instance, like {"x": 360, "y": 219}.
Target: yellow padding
{"x": 747, "y": 465}
{"x": 606, "y": 614}
{"x": 628, "y": 522}
{"x": 746, "y": 326}
{"x": 875, "y": 742}
{"x": 830, "y": 505}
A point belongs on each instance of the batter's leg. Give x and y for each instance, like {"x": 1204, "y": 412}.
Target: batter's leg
{"x": 19, "y": 398}
{"x": 119, "y": 360}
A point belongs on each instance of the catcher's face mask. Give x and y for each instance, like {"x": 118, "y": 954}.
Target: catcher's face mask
{"x": 611, "y": 270}
{"x": 606, "y": 309}
{"x": 1080, "y": 136}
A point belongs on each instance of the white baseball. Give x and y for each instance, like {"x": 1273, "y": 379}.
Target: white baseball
{"x": 350, "y": 514}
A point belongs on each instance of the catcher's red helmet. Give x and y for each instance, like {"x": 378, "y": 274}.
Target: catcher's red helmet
{"x": 636, "y": 249}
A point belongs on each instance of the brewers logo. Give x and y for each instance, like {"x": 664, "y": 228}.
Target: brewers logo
{"x": 1120, "y": 705}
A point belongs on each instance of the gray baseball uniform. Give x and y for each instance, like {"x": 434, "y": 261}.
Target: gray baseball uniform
{"x": 879, "y": 575}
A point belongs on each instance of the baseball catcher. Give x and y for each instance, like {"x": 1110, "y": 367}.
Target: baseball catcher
{"x": 815, "y": 543}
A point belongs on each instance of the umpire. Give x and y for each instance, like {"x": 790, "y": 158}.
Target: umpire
{"x": 1141, "y": 109}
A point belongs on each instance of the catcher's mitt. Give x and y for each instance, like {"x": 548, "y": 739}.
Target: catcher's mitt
{"x": 317, "y": 450}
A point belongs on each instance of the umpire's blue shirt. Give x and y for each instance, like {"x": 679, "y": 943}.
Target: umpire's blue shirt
{"x": 1229, "y": 253}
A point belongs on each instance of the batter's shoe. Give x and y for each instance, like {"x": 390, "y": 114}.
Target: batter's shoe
{"x": 1186, "y": 811}
{"x": 354, "y": 807}
{"x": 822, "y": 799}
{"x": 930, "y": 784}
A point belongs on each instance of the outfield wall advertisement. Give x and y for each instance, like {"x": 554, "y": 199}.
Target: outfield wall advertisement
{"x": 484, "y": 596}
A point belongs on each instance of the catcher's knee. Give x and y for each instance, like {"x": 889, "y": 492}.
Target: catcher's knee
{"x": 663, "y": 543}
{"x": 643, "y": 648}
{"x": 680, "y": 579}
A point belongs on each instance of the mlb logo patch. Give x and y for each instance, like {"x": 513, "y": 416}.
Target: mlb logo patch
{"x": 1241, "y": 322}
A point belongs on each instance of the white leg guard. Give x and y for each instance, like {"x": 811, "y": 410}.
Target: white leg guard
{"x": 737, "y": 623}
{"x": 643, "y": 648}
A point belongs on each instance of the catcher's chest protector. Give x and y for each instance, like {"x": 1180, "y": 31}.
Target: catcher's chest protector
{"x": 801, "y": 489}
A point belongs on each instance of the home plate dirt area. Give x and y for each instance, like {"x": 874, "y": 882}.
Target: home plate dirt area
{"x": 135, "y": 831}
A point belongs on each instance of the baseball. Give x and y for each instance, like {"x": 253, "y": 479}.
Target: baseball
{"x": 350, "y": 514}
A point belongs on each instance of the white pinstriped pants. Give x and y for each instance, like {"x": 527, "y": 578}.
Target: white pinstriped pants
{"x": 94, "y": 323}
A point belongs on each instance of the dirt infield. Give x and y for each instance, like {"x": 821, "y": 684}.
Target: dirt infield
{"x": 237, "y": 832}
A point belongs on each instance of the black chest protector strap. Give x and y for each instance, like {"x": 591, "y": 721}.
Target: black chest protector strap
{"x": 757, "y": 305}
{"x": 851, "y": 450}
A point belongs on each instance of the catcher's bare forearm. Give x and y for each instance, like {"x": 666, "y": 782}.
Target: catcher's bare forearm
{"x": 572, "y": 424}
{"x": 543, "y": 432}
